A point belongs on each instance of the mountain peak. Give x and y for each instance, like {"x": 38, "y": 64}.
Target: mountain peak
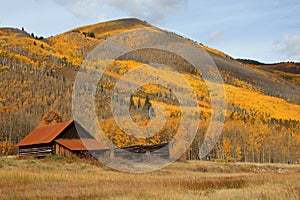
{"x": 113, "y": 25}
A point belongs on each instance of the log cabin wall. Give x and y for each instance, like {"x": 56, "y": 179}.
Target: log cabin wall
{"x": 147, "y": 152}
{"x": 38, "y": 150}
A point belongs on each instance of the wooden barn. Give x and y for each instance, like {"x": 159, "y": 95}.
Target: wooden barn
{"x": 61, "y": 139}
{"x": 142, "y": 149}
{"x": 64, "y": 139}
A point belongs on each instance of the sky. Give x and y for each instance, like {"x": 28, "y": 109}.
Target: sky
{"x": 263, "y": 30}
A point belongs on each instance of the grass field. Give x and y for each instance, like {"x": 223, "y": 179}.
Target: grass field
{"x": 62, "y": 178}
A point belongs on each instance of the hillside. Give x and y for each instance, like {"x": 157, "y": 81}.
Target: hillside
{"x": 289, "y": 71}
{"x": 37, "y": 75}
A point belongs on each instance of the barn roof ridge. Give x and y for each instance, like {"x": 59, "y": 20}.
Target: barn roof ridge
{"x": 45, "y": 134}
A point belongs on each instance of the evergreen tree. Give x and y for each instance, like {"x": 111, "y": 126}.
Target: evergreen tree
{"x": 147, "y": 104}
{"x": 139, "y": 105}
{"x": 92, "y": 34}
{"x": 131, "y": 102}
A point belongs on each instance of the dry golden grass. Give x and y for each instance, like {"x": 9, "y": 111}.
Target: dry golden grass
{"x": 77, "y": 179}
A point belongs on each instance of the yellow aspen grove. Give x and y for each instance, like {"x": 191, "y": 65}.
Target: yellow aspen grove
{"x": 227, "y": 148}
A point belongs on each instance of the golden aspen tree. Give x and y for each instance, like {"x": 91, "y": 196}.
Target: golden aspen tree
{"x": 51, "y": 117}
{"x": 227, "y": 148}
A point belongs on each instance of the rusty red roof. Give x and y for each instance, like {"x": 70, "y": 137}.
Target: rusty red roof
{"x": 82, "y": 145}
{"x": 44, "y": 134}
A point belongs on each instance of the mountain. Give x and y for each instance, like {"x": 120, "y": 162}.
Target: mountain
{"x": 38, "y": 74}
{"x": 289, "y": 71}
{"x": 290, "y": 67}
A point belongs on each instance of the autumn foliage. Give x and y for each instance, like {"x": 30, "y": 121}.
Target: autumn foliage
{"x": 51, "y": 117}
{"x": 7, "y": 148}
{"x": 37, "y": 78}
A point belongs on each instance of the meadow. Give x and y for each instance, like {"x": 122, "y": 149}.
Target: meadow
{"x": 73, "y": 178}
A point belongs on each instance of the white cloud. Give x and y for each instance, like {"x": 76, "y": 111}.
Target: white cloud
{"x": 151, "y": 10}
{"x": 289, "y": 46}
{"x": 83, "y": 9}
{"x": 214, "y": 37}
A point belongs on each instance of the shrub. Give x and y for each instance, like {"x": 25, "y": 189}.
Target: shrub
{"x": 54, "y": 157}
{"x": 7, "y": 148}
